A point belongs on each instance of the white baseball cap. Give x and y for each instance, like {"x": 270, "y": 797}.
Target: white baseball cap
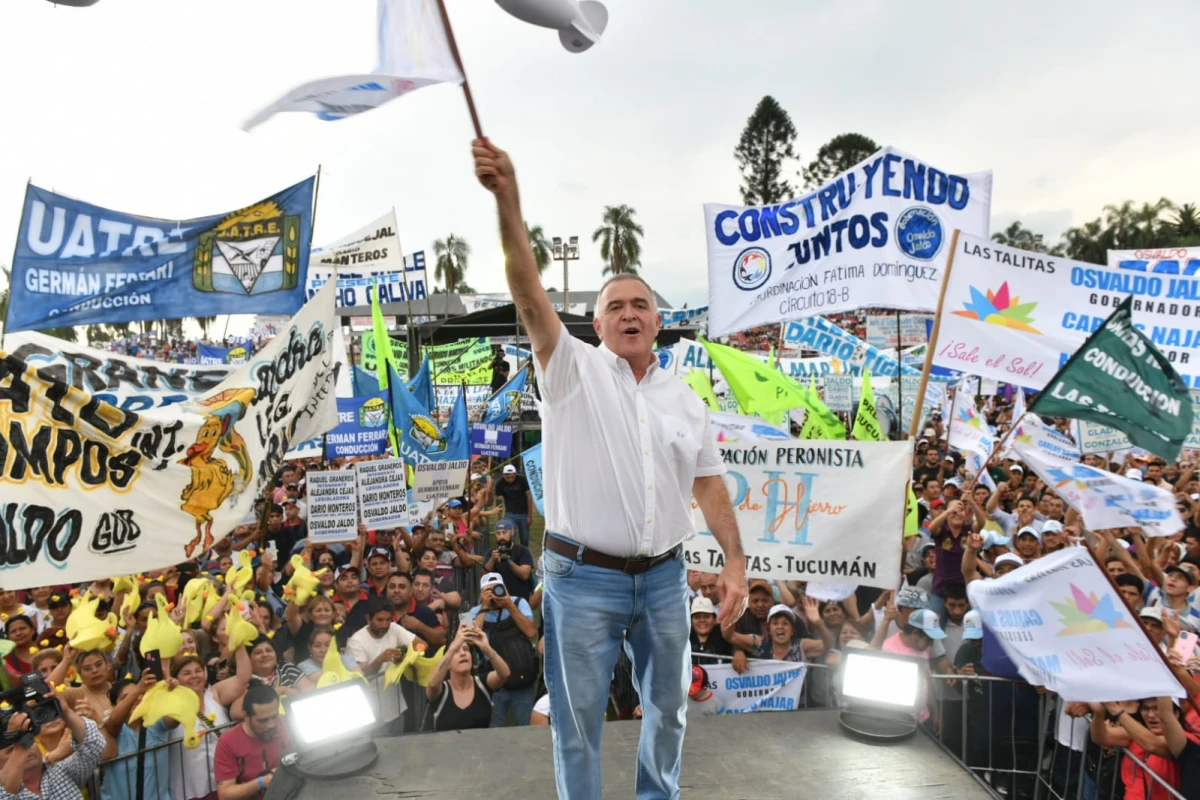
{"x": 779, "y": 608}
{"x": 509, "y": 469}
{"x": 926, "y": 621}
{"x": 702, "y": 605}
{"x": 972, "y": 625}
{"x": 1008, "y": 558}
{"x": 491, "y": 579}
{"x": 1134, "y": 474}
{"x": 1051, "y": 526}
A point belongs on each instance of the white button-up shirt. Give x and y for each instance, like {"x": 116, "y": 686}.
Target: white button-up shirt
{"x": 619, "y": 457}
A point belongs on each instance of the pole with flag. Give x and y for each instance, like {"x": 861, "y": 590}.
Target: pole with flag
{"x": 866, "y": 421}
{"x": 383, "y": 358}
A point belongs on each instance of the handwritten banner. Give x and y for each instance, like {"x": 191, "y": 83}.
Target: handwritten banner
{"x": 803, "y": 514}
{"x": 332, "y": 506}
{"x": 382, "y": 493}
{"x": 1066, "y": 629}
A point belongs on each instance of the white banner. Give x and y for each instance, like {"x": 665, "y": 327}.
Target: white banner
{"x": 1016, "y": 316}
{"x": 765, "y": 686}
{"x": 92, "y": 491}
{"x": 730, "y": 428}
{"x": 876, "y": 235}
{"x": 439, "y": 480}
{"x": 803, "y": 514}
{"x": 1105, "y": 499}
{"x": 1032, "y": 431}
{"x": 1161, "y": 261}
{"x": 1096, "y": 438}
{"x": 332, "y": 506}
{"x": 969, "y": 431}
{"x": 1066, "y": 629}
{"x": 382, "y": 493}
{"x": 839, "y": 390}
{"x": 369, "y": 257}
{"x": 882, "y": 329}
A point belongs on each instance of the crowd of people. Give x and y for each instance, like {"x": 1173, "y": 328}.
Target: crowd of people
{"x": 464, "y": 585}
{"x": 178, "y": 349}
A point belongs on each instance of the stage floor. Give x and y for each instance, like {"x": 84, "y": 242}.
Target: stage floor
{"x": 779, "y": 755}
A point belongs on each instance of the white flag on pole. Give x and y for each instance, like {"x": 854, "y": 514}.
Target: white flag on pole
{"x": 413, "y": 52}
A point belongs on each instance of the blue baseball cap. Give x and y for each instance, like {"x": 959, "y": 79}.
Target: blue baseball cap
{"x": 454, "y": 504}
{"x": 993, "y": 539}
{"x": 505, "y": 525}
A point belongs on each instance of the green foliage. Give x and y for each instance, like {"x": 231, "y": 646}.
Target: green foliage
{"x": 540, "y": 247}
{"x": 452, "y": 256}
{"x": 836, "y": 156}
{"x": 763, "y": 152}
{"x": 620, "y": 240}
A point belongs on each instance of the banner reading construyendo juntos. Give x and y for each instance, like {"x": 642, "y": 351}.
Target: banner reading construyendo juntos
{"x": 876, "y": 235}
{"x": 804, "y": 512}
{"x": 1017, "y": 316}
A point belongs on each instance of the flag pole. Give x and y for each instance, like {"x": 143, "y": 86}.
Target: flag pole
{"x": 995, "y": 451}
{"x": 458, "y": 60}
{"x": 933, "y": 337}
{"x": 900, "y": 377}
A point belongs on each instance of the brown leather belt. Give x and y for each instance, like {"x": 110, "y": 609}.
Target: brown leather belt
{"x": 630, "y": 566}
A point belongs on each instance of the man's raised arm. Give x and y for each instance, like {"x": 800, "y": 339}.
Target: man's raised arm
{"x": 495, "y": 172}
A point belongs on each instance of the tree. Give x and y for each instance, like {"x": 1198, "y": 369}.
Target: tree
{"x": 452, "y": 254}
{"x": 762, "y": 153}
{"x": 1020, "y": 237}
{"x": 619, "y": 238}
{"x": 1186, "y": 224}
{"x": 540, "y": 247}
{"x": 836, "y": 156}
{"x": 205, "y": 323}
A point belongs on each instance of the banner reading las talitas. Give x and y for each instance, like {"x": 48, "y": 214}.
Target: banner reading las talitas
{"x": 1016, "y": 316}
{"x": 1066, "y": 629}
{"x": 876, "y": 235}
{"x": 80, "y": 264}
{"x": 803, "y": 515}
{"x": 91, "y": 490}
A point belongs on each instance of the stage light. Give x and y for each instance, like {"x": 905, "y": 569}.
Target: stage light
{"x": 329, "y": 713}
{"x": 881, "y": 694}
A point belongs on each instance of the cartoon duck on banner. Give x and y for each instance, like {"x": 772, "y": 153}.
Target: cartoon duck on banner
{"x": 212, "y": 481}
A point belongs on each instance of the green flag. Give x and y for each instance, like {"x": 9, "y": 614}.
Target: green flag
{"x": 698, "y": 380}
{"x": 382, "y": 345}
{"x": 830, "y": 423}
{"x": 1118, "y": 378}
{"x": 811, "y": 429}
{"x": 866, "y": 422}
{"x": 912, "y": 518}
{"x": 760, "y": 388}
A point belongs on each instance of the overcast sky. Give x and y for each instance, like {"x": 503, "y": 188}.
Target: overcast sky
{"x": 136, "y": 105}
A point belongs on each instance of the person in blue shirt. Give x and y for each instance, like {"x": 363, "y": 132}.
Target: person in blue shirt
{"x": 121, "y": 776}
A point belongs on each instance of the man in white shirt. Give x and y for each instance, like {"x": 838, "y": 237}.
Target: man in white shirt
{"x": 626, "y": 448}
{"x": 375, "y": 647}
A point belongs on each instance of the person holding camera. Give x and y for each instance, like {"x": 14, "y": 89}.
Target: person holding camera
{"x": 468, "y": 703}
{"x": 508, "y": 624}
{"x": 25, "y": 774}
{"x": 512, "y": 560}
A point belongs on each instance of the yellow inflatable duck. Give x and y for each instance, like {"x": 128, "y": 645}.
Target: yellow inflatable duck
{"x": 98, "y": 634}
{"x": 334, "y": 671}
{"x": 162, "y": 634}
{"x": 239, "y": 575}
{"x": 180, "y": 704}
{"x": 132, "y": 599}
{"x": 423, "y": 667}
{"x": 239, "y": 631}
{"x": 304, "y": 582}
{"x": 83, "y": 614}
{"x": 124, "y": 583}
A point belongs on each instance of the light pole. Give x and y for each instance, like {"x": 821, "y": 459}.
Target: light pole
{"x": 566, "y": 253}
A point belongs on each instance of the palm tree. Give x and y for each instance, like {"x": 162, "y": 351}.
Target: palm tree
{"x": 619, "y": 238}
{"x": 540, "y": 247}
{"x": 1186, "y": 224}
{"x": 1017, "y": 235}
{"x": 452, "y": 254}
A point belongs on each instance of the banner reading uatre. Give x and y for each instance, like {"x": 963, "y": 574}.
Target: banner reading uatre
{"x": 876, "y": 235}
{"x": 804, "y": 514}
{"x": 92, "y": 490}
{"x": 80, "y": 264}
{"x": 1016, "y": 316}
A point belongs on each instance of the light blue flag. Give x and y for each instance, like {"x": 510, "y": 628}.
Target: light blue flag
{"x": 422, "y": 440}
{"x": 458, "y": 431}
{"x": 365, "y": 383}
{"x": 507, "y": 399}
{"x": 422, "y": 386}
{"x": 532, "y": 460}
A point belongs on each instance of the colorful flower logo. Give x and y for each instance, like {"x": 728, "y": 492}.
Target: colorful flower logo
{"x": 1086, "y": 614}
{"x": 967, "y": 416}
{"x": 997, "y": 308}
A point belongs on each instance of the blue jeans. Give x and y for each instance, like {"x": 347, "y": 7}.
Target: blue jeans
{"x": 521, "y": 521}
{"x": 519, "y": 700}
{"x": 587, "y": 610}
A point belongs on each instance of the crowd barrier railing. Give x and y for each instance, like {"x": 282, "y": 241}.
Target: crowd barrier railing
{"x": 1008, "y": 735}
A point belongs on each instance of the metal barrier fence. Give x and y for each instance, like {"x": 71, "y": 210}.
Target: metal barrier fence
{"x": 1015, "y": 741}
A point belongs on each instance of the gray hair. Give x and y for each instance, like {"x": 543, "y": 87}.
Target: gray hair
{"x": 623, "y": 276}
